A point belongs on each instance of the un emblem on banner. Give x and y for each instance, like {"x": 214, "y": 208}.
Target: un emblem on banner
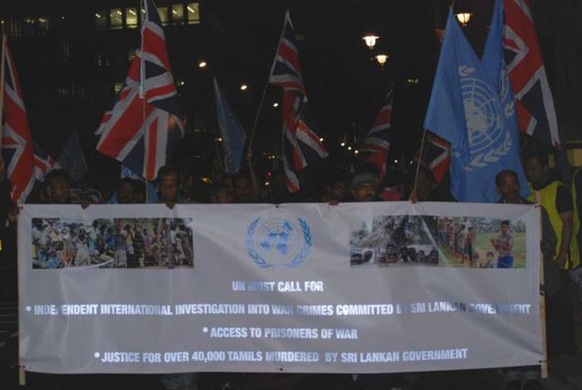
{"x": 278, "y": 242}
{"x": 489, "y": 139}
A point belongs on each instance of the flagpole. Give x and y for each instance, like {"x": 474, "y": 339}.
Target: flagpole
{"x": 257, "y": 115}
{"x": 542, "y": 302}
{"x": 267, "y": 83}
{"x": 141, "y": 60}
{"x": 21, "y": 371}
{"x": 4, "y": 39}
{"x": 418, "y": 162}
{"x": 142, "y": 82}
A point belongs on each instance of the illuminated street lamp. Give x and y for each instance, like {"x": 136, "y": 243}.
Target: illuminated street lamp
{"x": 382, "y": 58}
{"x": 464, "y": 17}
{"x": 463, "y": 11}
{"x": 370, "y": 39}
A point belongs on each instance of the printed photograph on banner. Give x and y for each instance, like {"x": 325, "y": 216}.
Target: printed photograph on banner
{"x": 482, "y": 242}
{"x": 153, "y": 243}
{"x": 402, "y": 240}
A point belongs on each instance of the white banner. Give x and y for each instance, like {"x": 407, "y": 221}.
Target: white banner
{"x": 358, "y": 287}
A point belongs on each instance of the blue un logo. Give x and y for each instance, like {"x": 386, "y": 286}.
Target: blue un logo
{"x": 278, "y": 242}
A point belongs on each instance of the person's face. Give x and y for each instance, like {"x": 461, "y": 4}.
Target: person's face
{"x": 423, "y": 186}
{"x": 366, "y": 192}
{"x": 223, "y": 196}
{"x": 58, "y": 190}
{"x": 242, "y": 188}
{"x": 125, "y": 193}
{"x": 534, "y": 170}
{"x": 169, "y": 188}
{"x": 504, "y": 229}
{"x": 338, "y": 190}
{"x": 509, "y": 188}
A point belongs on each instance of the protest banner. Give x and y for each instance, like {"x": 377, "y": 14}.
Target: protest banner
{"x": 356, "y": 287}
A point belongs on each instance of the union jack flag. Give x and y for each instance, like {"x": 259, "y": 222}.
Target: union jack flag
{"x": 437, "y": 156}
{"x": 43, "y": 163}
{"x": 527, "y": 74}
{"x": 145, "y": 125}
{"x": 376, "y": 144}
{"x": 301, "y": 145}
{"x": 16, "y": 139}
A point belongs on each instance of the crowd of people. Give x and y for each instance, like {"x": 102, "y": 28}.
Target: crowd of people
{"x": 561, "y": 236}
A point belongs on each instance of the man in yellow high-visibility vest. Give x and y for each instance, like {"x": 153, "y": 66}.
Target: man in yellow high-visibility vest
{"x": 557, "y": 200}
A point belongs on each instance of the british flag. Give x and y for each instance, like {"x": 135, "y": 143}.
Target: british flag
{"x": 527, "y": 74}
{"x": 301, "y": 145}
{"x": 43, "y": 163}
{"x": 146, "y": 124}
{"x": 375, "y": 146}
{"x": 16, "y": 139}
{"x": 435, "y": 155}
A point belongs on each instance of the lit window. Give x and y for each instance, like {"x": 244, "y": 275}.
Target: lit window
{"x": 178, "y": 14}
{"x": 131, "y": 17}
{"x": 163, "y": 11}
{"x": 193, "y": 13}
{"x": 100, "y": 20}
{"x": 116, "y": 18}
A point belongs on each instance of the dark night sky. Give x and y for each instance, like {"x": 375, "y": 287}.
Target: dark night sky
{"x": 345, "y": 88}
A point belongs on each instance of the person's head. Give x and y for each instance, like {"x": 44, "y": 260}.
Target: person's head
{"x": 490, "y": 255}
{"x": 536, "y": 166}
{"x": 505, "y": 226}
{"x": 57, "y": 186}
{"x": 394, "y": 185}
{"x": 126, "y": 191}
{"x": 425, "y": 183}
{"x": 220, "y": 192}
{"x": 365, "y": 187}
{"x": 242, "y": 187}
{"x": 168, "y": 184}
{"x": 507, "y": 184}
{"x": 335, "y": 188}
{"x": 365, "y": 184}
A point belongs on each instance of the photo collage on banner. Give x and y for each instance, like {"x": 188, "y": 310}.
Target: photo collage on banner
{"x": 414, "y": 240}
{"x": 151, "y": 243}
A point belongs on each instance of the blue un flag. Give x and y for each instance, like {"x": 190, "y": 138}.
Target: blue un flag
{"x": 472, "y": 107}
{"x": 233, "y": 133}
